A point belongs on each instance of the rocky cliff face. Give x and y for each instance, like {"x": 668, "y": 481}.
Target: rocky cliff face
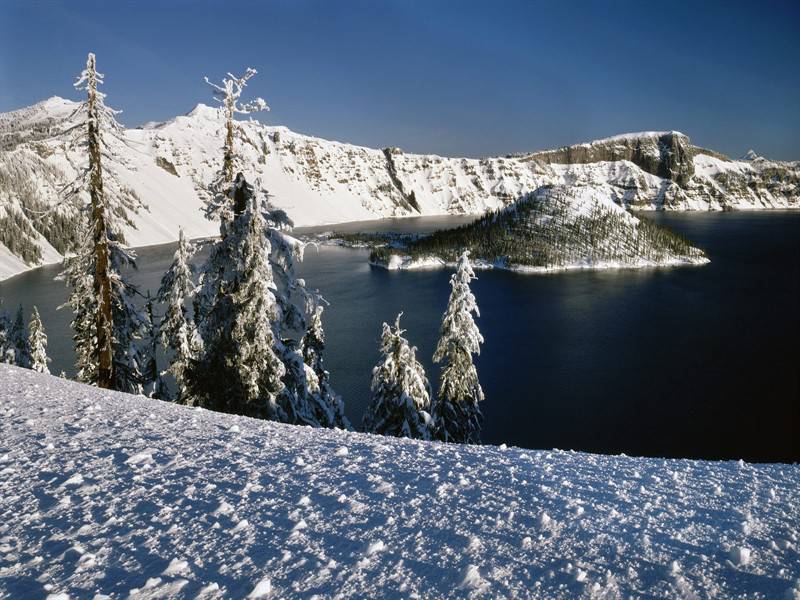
{"x": 666, "y": 154}
{"x": 168, "y": 166}
{"x": 689, "y": 177}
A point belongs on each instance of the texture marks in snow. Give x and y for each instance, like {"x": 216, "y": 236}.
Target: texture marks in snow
{"x": 78, "y": 517}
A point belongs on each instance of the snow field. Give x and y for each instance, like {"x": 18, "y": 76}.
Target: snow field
{"x": 104, "y": 494}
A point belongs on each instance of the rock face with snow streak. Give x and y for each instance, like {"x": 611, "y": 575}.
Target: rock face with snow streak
{"x": 106, "y": 493}
{"x": 169, "y": 165}
{"x": 667, "y": 154}
{"x": 663, "y": 169}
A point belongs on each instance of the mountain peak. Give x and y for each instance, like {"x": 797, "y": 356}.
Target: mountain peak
{"x": 204, "y": 111}
{"x": 55, "y": 104}
{"x": 751, "y": 155}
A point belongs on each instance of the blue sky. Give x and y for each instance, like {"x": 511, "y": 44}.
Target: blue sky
{"x": 454, "y": 78}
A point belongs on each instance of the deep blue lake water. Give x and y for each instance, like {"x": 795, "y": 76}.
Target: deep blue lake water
{"x": 699, "y": 362}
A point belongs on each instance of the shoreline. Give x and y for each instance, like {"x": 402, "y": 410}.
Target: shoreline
{"x": 432, "y": 263}
{"x": 330, "y": 228}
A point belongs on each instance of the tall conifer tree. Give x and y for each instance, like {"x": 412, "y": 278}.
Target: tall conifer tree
{"x": 230, "y": 323}
{"x": 106, "y": 322}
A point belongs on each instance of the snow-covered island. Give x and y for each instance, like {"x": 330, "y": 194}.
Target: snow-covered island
{"x": 554, "y": 229}
{"x": 105, "y": 494}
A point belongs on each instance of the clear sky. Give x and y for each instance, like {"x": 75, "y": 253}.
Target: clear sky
{"x": 454, "y": 78}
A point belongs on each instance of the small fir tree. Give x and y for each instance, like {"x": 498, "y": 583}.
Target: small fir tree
{"x": 151, "y": 377}
{"x": 37, "y": 341}
{"x": 8, "y": 352}
{"x": 400, "y": 390}
{"x": 328, "y": 405}
{"x": 303, "y": 399}
{"x": 456, "y": 414}
{"x": 176, "y": 331}
{"x": 18, "y": 336}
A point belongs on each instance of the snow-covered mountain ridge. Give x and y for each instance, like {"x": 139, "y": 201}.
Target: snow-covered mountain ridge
{"x": 106, "y": 493}
{"x": 168, "y": 167}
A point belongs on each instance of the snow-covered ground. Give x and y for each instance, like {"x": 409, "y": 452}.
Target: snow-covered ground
{"x": 106, "y": 493}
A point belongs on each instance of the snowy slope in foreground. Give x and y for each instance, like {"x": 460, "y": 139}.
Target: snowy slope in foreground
{"x": 108, "y": 493}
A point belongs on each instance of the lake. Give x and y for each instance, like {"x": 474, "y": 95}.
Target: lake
{"x": 698, "y": 362}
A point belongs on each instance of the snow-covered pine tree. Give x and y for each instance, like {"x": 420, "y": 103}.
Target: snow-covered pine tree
{"x": 223, "y": 203}
{"x": 239, "y": 369}
{"x": 176, "y": 331}
{"x": 215, "y": 312}
{"x": 300, "y": 397}
{"x": 456, "y": 414}
{"x": 8, "y": 354}
{"x": 400, "y": 390}
{"x": 18, "y": 337}
{"x": 328, "y": 404}
{"x": 151, "y": 376}
{"x": 78, "y": 274}
{"x": 37, "y": 341}
{"x": 106, "y": 322}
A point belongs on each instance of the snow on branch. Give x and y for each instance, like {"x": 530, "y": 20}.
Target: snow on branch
{"x": 231, "y": 90}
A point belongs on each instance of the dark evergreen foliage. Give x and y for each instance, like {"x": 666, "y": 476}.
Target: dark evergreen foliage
{"x": 544, "y": 230}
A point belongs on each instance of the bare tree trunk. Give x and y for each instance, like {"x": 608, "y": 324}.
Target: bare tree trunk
{"x": 228, "y": 160}
{"x": 102, "y": 281}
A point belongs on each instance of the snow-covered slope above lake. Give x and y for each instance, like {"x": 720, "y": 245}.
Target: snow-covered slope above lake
{"x": 102, "y": 492}
{"x": 169, "y": 165}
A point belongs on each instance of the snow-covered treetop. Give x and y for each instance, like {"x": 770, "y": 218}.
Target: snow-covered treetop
{"x": 459, "y": 335}
{"x": 89, "y": 78}
{"x": 88, "y": 81}
{"x": 231, "y": 90}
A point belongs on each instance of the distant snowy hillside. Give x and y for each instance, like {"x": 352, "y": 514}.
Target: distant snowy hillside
{"x": 105, "y": 493}
{"x": 169, "y": 165}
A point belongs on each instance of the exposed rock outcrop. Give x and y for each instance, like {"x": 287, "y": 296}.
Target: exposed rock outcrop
{"x": 666, "y": 154}
{"x": 409, "y": 198}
